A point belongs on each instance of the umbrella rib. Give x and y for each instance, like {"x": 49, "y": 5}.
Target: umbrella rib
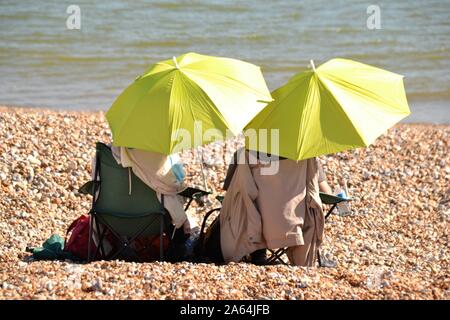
{"x": 170, "y": 108}
{"x": 146, "y": 73}
{"x": 306, "y": 114}
{"x": 128, "y": 117}
{"x": 220, "y": 75}
{"x": 280, "y": 101}
{"x": 183, "y": 78}
{"x": 225, "y": 121}
{"x": 351, "y": 85}
{"x": 345, "y": 113}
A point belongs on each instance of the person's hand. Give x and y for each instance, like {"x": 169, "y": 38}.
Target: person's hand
{"x": 324, "y": 187}
{"x": 187, "y": 227}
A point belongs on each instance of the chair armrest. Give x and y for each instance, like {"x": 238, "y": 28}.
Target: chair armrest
{"x": 220, "y": 198}
{"x": 193, "y": 193}
{"x": 331, "y": 199}
{"x": 87, "y": 187}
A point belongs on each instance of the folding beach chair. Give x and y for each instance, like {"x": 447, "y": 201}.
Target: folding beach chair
{"x": 276, "y": 255}
{"x": 208, "y": 247}
{"x": 125, "y": 208}
{"x": 328, "y": 199}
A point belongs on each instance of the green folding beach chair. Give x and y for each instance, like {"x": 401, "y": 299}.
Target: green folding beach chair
{"x": 125, "y": 207}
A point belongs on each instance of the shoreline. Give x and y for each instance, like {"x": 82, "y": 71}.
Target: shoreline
{"x": 418, "y": 108}
{"x": 393, "y": 246}
{"x": 9, "y": 108}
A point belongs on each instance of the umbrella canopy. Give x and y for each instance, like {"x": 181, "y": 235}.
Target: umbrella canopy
{"x": 341, "y": 105}
{"x": 193, "y": 93}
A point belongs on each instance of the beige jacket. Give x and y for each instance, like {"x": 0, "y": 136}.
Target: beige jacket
{"x": 271, "y": 211}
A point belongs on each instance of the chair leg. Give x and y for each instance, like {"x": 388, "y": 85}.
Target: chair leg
{"x": 188, "y": 204}
{"x": 99, "y": 248}
{"x": 319, "y": 258}
{"x": 90, "y": 238}
{"x": 161, "y": 230}
{"x": 281, "y": 254}
{"x": 124, "y": 244}
{"x": 276, "y": 256}
{"x": 330, "y": 211}
{"x": 100, "y": 240}
{"x": 272, "y": 256}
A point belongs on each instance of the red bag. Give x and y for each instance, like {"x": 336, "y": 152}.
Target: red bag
{"x": 147, "y": 248}
{"x": 79, "y": 239}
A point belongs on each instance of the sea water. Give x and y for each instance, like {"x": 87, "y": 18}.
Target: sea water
{"x": 44, "y": 63}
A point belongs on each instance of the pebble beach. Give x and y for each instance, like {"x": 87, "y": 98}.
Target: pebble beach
{"x": 394, "y": 245}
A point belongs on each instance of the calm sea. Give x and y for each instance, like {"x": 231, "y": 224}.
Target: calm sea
{"x": 44, "y": 64}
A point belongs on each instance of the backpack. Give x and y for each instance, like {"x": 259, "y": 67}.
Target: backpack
{"x": 148, "y": 247}
{"x": 79, "y": 239}
{"x": 208, "y": 245}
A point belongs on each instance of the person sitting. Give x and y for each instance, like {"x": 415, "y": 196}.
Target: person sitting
{"x": 162, "y": 173}
{"x": 271, "y": 210}
{"x": 323, "y": 184}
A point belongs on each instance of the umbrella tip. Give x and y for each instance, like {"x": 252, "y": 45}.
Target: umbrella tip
{"x": 176, "y": 62}
{"x": 312, "y": 65}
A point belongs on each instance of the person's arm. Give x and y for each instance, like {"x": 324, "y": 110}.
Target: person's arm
{"x": 324, "y": 187}
{"x": 323, "y": 184}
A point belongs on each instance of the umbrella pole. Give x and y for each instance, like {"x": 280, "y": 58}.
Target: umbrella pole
{"x": 203, "y": 172}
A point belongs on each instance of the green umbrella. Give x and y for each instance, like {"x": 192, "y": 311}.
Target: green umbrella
{"x": 340, "y": 105}
{"x": 181, "y": 98}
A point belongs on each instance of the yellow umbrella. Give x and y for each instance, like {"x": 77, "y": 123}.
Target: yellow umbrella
{"x": 188, "y": 94}
{"x": 341, "y": 105}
